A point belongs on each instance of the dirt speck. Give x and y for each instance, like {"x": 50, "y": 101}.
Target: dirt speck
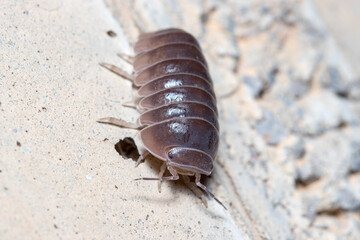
{"x": 111, "y": 33}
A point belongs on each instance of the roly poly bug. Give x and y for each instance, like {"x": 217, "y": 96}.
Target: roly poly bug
{"x": 178, "y": 122}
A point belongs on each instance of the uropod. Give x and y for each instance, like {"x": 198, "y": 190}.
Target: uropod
{"x": 178, "y": 120}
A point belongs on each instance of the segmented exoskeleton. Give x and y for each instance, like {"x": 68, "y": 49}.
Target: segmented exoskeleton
{"x": 177, "y": 103}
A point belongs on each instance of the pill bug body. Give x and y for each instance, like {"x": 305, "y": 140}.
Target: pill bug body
{"x": 180, "y": 113}
{"x": 175, "y": 97}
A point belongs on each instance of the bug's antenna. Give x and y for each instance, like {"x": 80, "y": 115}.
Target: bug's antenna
{"x": 203, "y": 187}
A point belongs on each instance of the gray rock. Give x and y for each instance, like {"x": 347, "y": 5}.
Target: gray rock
{"x": 301, "y": 63}
{"x": 322, "y": 111}
{"x": 254, "y": 83}
{"x": 331, "y": 160}
{"x": 354, "y": 90}
{"x": 271, "y": 128}
{"x": 152, "y": 16}
{"x": 219, "y": 32}
{"x": 332, "y": 78}
{"x": 332, "y": 156}
{"x": 296, "y": 149}
{"x": 285, "y": 90}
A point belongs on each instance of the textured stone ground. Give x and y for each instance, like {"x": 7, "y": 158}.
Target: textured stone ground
{"x": 289, "y": 158}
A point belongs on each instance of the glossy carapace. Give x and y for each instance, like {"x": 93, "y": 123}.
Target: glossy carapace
{"x": 175, "y": 97}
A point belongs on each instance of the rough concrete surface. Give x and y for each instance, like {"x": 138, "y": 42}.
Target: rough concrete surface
{"x": 289, "y": 157}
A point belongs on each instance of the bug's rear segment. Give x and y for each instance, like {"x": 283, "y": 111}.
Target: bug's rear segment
{"x": 178, "y": 104}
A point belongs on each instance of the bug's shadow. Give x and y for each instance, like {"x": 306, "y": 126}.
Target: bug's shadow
{"x": 127, "y": 148}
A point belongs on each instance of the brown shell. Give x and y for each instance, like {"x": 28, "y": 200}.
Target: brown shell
{"x": 180, "y": 117}
{"x": 177, "y": 80}
{"x": 171, "y": 67}
{"x": 149, "y": 41}
{"x": 167, "y": 52}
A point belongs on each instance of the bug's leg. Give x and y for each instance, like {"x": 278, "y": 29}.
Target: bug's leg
{"x": 119, "y": 123}
{"x": 127, "y": 58}
{"x": 134, "y": 103}
{"x": 129, "y": 104}
{"x": 118, "y": 71}
{"x": 141, "y": 158}
{"x": 203, "y": 187}
{"x": 194, "y": 189}
{"x": 161, "y": 174}
{"x": 174, "y": 176}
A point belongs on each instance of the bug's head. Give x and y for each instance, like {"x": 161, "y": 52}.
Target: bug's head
{"x": 190, "y": 159}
